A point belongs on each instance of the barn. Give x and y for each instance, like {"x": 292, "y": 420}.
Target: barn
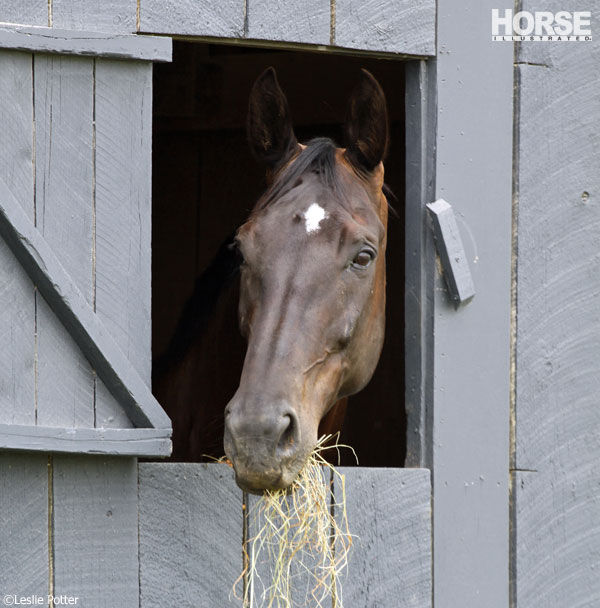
{"x": 122, "y": 162}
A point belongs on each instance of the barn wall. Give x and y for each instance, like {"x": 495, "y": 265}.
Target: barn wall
{"x": 556, "y": 478}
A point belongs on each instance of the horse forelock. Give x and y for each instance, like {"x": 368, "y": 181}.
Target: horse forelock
{"x": 319, "y": 156}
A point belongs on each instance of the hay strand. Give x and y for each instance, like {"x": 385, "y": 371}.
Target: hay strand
{"x": 302, "y": 535}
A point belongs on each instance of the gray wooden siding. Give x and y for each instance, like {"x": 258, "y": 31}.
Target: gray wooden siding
{"x": 471, "y": 346}
{"x": 406, "y": 27}
{"x": 119, "y": 16}
{"x": 70, "y": 527}
{"x": 24, "y": 564}
{"x": 26, "y": 12}
{"x": 191, "y": 536}
{"x": 94, "y": 530}
{"x": 556, "y": 478}
{"x": 17, "y": 309}
{"x": 389, "y": 511}
{"x": 393, "y": 26}
{"x": 79, "y": 167}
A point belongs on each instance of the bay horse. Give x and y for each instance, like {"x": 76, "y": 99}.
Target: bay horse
{"x": 312, "y": 282}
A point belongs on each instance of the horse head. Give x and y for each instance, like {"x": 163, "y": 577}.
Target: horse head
{"x": 312, "y": 286}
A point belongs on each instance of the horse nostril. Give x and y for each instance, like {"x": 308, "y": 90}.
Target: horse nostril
{"x": 288, "y": 440}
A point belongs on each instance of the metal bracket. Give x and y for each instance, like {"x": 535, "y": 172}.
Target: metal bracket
{"x": 452, "y": 253}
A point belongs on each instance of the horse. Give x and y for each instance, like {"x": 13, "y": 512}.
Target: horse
{"x": 312, "y": 282}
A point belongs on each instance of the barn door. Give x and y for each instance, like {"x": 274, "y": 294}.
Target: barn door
{"x": 75, "y": 402}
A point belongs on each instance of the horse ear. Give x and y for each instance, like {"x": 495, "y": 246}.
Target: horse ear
{"x": 269, "y": 123}
{"x": 366, "y": 128}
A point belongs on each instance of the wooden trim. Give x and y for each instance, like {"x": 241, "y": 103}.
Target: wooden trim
{"x": 419, "y": 260}
{"x": 72, "y": 309}
{"x": 471, "y": 346}
{"x": 121, "y": 442}
{"x": 115, "y": 46}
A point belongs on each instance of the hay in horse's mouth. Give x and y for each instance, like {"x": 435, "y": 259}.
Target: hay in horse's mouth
{"x": 302, "y": 535}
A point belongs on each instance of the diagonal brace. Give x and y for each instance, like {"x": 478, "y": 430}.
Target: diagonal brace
{"x": 72, "y": 309}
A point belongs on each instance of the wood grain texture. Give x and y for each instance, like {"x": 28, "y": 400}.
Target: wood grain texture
{"x": 556, "y": 55}
{"x": 70, "y": 306}
{"x": 306, "y": 22}
{"x": 406, "y": 27}
{"x": 471, "y": 346}
{"x": 557, "y": 536}
{"x": 24, "y": 527}
{"x": 389, "y": 512}
{"x": 32, "y": 12}
{"x": 63, "y": 197}
{"x": 95, "y": 525}
{"x": 71, "y": 42}
{"x": 556, "y": 532}
{"x": 193, "y": 17}
{"x": 17, "y": 309}
{"x": 190, "y": 534}
{"x": 123, "y": 206}
{"x": 126, "y": 442}
{"x": 117, "y": 16}
{"x": 123, "y": 218}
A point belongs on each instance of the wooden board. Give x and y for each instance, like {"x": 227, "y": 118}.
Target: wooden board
{"x": 32, "y": 12}
{"x": 307, "y": 22}
{"x": 193, "y": 18}
{"x": 24, "y": 508}
{"x": 95, "y": 530}
{"x": 17, "y": 309}
{"x": 117, "y": 16}
{"x": 123, "y": 213}
{"x": 406, "y": 26}
{"x": 556, "y": 508}
{"x": 471, "y": 346}
{"x": 126, "y": 441}
{"x": 63, "y": 212}
{"x": 190, "y": 534}
{"x": 72, "y": 42}
{"x": 389, "y": 512}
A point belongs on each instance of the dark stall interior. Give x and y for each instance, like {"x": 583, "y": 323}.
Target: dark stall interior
{"x": 205, "y": 183}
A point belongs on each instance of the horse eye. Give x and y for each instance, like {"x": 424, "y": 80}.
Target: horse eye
{"x": 363, "y": 258}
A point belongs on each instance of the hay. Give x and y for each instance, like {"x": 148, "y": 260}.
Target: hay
{"x": 302, "y": 543}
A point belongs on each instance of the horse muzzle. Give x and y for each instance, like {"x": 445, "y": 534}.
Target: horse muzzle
{"x": 265, "y": 444}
